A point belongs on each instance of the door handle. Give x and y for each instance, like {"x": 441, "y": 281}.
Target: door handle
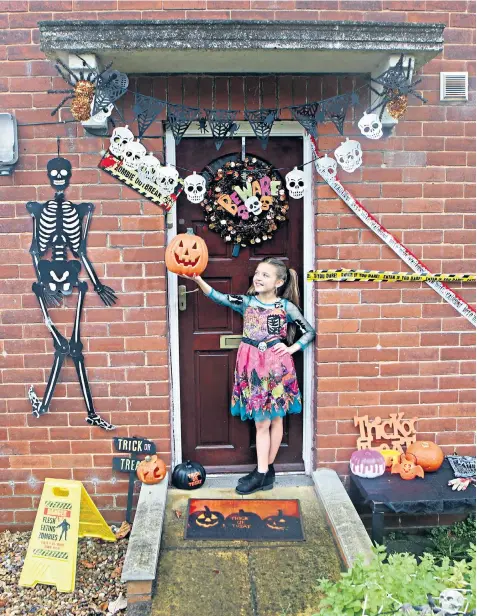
{"x": 182, "y": 297}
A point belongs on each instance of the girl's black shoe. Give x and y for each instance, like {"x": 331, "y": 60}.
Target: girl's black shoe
{"x": 270, "y": 473}
{"x": 258, "y": 481}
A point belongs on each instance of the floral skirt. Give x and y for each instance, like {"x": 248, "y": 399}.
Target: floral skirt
{"x": 265, "y": 385}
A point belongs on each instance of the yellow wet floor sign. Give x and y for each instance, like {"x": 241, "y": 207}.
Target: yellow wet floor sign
{"x": 65, "y": 513}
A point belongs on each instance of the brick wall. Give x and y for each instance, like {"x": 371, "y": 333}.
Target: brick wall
{"x": 381, "y": 347}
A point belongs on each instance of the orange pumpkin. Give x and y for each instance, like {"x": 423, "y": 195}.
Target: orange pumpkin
{"x": 187, "y": 254}
{"x": 151, "y": 470}
{"x": 429, "y": 455}
{"x": 407, "y": 467}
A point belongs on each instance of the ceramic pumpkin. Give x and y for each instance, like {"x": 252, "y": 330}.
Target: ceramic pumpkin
{"x": 187, "y": 254}
{"x": 429, "y": 455}
{"x": 367, "y": 463}
{"x": 407, "y": 467}
{"x": 207, "y": 518}
{"x": 188, "y": 475}
{"x": 151, "y": 470}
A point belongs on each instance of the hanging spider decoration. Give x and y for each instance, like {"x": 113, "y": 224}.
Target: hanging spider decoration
{"x": 84, "y": 87}
{"x": 397, "y": 85}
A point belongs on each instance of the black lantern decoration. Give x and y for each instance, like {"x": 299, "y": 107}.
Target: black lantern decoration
{"x": 336, "y": 108}
{"x": 397, "y": 85}
{"x": 308, "y": 115}
{"x": 110, "y": 87}
{"x": 146, "y": 108}
{"x": 261, "y": 121}
{"x": 179, "y": 118}
{"x": 188, "y": 476}
{"x": 222, "y": 124}
{"x": 63, "y": 226}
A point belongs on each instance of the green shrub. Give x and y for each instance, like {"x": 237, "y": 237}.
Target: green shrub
{"x": 453, "y": 541}
{"x": 389, "y": 581}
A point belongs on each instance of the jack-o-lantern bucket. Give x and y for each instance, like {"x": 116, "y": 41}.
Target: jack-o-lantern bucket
{"x": 187, "y": 254}
{"x": 151, "y": 470}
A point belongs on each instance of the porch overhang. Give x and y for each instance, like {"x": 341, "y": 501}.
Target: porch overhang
{"x": 226, "y": 47}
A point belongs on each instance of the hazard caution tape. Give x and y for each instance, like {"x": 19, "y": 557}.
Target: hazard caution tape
{"x": 404, "y": 253}
{"x": 365, "y": 275}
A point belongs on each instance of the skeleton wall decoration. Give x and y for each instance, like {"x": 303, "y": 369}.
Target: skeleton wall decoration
{"x": 63, "y": 226}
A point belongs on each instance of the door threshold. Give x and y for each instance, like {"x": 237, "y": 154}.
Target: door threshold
{"x": 282, "y": 480}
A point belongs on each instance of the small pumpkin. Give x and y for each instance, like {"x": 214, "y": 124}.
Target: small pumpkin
{"x": 428, "y": 455}
{"x": 207, "y": 518}
{"x": 391, "y": 456}
{"x": 188, "y": 475}
{"x": 187, "y": 254}
{"x": 407, "y": 467}
{"x": 151, "y": 470}
{"x": 277, "y": 522}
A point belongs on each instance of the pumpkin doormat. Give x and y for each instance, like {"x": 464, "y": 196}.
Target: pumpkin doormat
{"x": 253, "y": 520}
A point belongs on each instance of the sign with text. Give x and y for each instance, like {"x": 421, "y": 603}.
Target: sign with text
{"x": 135, "y": 444}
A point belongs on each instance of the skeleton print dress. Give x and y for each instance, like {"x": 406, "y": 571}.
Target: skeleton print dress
{"x": 265, "y": 385}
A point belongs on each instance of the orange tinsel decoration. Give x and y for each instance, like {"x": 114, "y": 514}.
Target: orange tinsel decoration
{"x": 397, "y": 107}
{"x": 81, "y": 105}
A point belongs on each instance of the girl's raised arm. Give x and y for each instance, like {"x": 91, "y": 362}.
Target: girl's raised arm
{"x": 236, "y": 302}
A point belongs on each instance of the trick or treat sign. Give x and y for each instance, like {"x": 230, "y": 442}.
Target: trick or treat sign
{"x": 396, "y": 430}
{"x": 128, "y": 161}
{"x": 245, "y": 201}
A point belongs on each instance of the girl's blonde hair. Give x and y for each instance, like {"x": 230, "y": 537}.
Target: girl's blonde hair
{"x": 289, "y": 289}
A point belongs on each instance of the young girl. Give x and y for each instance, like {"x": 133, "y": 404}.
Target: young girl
{"x": 266, "y": 387}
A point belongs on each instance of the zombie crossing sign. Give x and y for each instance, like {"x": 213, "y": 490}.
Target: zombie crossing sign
{"x": 135, "y": 445}
{"x": 65, "y": 513}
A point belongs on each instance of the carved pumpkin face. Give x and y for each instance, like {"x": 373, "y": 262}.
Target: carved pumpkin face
{"x": 208, "y": 518}
{"x": 151, "y": 470}
{"x": 187, "y": 254}
{"x": 407, "y": 467}
{"x": 277, "y": 522}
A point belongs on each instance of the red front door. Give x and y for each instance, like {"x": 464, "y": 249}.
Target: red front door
{"x": 210, "y": 434}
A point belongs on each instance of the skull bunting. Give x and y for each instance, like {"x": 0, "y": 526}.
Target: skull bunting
{"x": 133, "y": 155}
{"x": 119, "y": 139}
{"x": 370, "y": 126}
{"x": 148, "y": 169}
{"x": 253, "y": 206}
{"x": 295, "y": 181}
{"x": 349, "y": 155}
{"x": 326, "y": 167}
{"x": 167, "y": 180}
{"x": 194, "y": 187}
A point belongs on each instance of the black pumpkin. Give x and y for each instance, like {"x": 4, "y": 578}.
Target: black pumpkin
{"x": 188, "y": 476}
{"x": 279, "y": 522}
{"x": 207, "y": 518}
{"x": 243, "y": 520}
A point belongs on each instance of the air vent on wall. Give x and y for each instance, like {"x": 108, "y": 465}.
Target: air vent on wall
{"x": 454, "y": 86}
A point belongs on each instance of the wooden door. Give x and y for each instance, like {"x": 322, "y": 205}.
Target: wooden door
{"x": 210, "y": 434}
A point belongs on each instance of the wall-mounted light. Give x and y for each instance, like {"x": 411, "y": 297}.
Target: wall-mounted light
{"x": 8, "y": 143}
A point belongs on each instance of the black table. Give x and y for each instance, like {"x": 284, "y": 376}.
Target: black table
{"x": 428, "y": 495}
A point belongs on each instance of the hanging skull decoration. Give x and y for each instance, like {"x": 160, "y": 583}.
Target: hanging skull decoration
{"x": 253, "y": 206}
{"x": 194, "y": 186}
{"x": 119, "y": 139}
{"x": 370, "y": 126}
{"x": 295, "y": 181}
{"x": 349, "y": 155}
{"x": 133, "y": 155}
{"x": 103, "y": 114}
{"x": 451, "y": 601}
{"x": 327, "y": 167}
{"x": 148, "y": 170}
{"x": 167, "y": 180}
{"x": 59, "y": 173}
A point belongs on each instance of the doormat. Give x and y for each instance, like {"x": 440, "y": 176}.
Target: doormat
{"x": 253, "y": 520}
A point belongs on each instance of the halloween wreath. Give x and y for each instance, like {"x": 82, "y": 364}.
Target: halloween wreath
{"x": 245, "y": 201}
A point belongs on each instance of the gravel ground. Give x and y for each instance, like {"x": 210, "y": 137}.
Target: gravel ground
{"x": 98, "y": 580}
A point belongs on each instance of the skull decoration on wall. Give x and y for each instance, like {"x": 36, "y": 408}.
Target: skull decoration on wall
{"x": 133, "y": 155}
{"x": 327, "y": 167}
{"x": 59, "y": 173}
{"x": 370, "y": 126}
{"x": 253, "y": 206}
{"x": 167, "y": 180}
{"x": 295, "y": 181}
{"x": 148, "y": 170}
{"x": 194, "y": 186}
{"x": 349, "y": 155}
{"x": 103, "y": 114}
{"x": 119, "y": 139}
{"x": 451, "y": 601}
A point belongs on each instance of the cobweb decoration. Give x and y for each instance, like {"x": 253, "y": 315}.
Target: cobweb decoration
{"x": 222, "y": 124}
{"x": 111, "y": 86}
{"x": 179, "y": 118}
{"x": 146, "y": 108}
{"x": 308, "y": 116}
{"x": 336, "y": 108}
{"x": 261, "y": 121}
